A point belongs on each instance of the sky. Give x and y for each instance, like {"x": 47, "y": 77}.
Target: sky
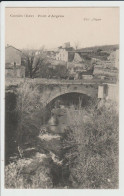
{"x": 33, "y": 28}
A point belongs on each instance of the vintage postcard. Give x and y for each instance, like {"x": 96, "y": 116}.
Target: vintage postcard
{"x": 61, "y": 97}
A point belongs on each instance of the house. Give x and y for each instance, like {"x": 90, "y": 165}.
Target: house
{"x": 13, "y": 62}
{"x": 68, "y": 54}
{"x": 63, "y": 53}
{"x": 12, "y": 56}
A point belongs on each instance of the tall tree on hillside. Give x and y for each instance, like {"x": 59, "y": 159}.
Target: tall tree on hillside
{"x": 77, "y": 45}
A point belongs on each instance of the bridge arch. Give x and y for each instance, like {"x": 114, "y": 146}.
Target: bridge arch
{"x": 54, "y": 94}
{"x": 71, "y": 98}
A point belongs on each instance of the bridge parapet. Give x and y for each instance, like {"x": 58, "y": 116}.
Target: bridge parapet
{"x": 17, "y": 81}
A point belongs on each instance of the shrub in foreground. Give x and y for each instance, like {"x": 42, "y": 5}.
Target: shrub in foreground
{"x": 92, "y": 148}
{"x": 28, "y": 173}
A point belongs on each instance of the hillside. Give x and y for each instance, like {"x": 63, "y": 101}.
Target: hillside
{"x": 107, "y": 48}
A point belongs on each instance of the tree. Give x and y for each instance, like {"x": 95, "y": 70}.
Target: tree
{"x": 33, "y": 61}
{"x": 38, "y": 63}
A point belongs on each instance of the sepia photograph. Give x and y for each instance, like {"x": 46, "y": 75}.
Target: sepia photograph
{"x": 61, "y": 98}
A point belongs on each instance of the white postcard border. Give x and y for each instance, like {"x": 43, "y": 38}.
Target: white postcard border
{"x": 53, "y": 192}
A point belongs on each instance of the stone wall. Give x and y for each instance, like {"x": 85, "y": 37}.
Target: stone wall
{"x": 18, "y": 72}
{"x": 109, "y": 92}
{"x": 113, "y": 92}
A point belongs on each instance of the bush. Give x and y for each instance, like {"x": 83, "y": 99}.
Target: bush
{"x": 28, "y": 173}
{"x": 92, "y": 147}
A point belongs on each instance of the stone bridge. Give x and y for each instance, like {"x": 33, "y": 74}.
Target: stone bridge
{"x": 50, "y": 89}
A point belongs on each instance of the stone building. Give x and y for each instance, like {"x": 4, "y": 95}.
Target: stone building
{"x": 13, "y": 62}
{"x": 63, "y": 53}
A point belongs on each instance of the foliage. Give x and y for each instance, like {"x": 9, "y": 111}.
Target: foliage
{"x": 29, "y": 110}
{"x": 46, "y": 71}
{"x": 28, "y": 173}
{"x": 61, "y": 71}
{"x": 92, "y": 148}
{"x": 49, "y": 71}
{"x": 33, "y": 62}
